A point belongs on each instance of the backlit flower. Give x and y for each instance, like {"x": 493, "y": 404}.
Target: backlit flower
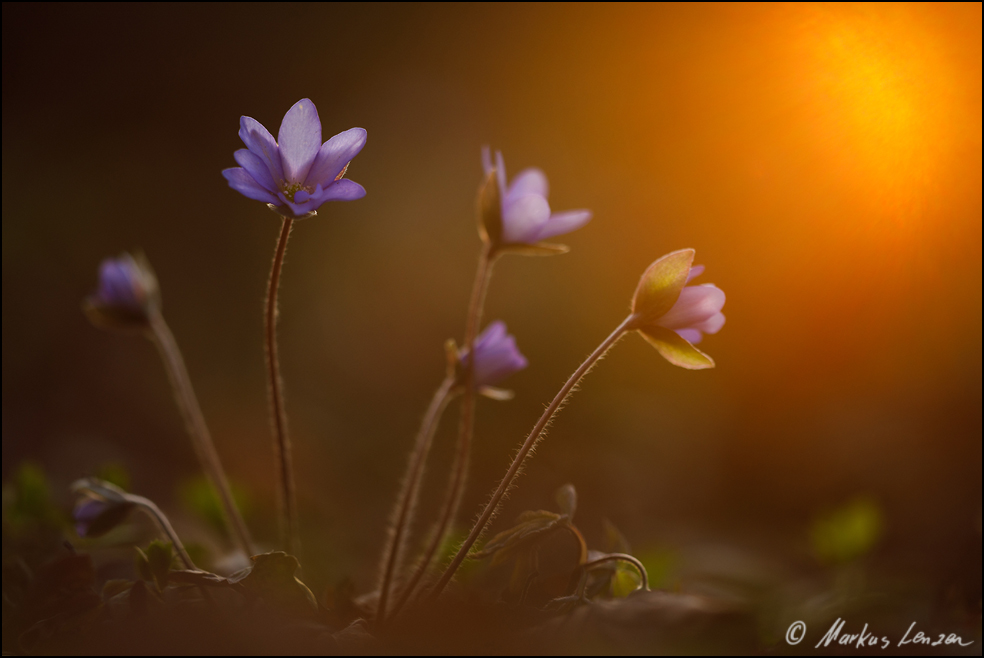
{"x": 673, "y": 316}
{"x": 496, "y": 356}
{"x": 296, "y": 173}
{"x": 526, "y": 217}
{"x": 126, "y": 295}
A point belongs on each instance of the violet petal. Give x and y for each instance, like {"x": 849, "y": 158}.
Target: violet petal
{"x": 299, "y": 140}
{"x": 563, "y": 222}
{"x": 240, "y": 180}
{"x": 256, "y": 167}
{"x": 528, "y": 181}
{"x": 523, "y": 219}
{"x": 259, "y": 140}
{"x": 695, "y": 305}
{"x": 334, "y": 155}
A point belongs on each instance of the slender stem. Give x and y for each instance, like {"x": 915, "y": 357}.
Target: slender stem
{"x": 524, "y": 451}
{"x": 195, "y": 422}
{"x": 621, "y": 557}
{"x": 285, "y": 465}
{"x": 155, "y": 513}
{"x": 459, "y": 467}
{"x": 406, "y": 502}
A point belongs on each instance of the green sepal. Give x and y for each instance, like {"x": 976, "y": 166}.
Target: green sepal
{"x": 676, "y": 349}
{"x": 538, "y": 249}
{"x": 660, "y": 285}
{"x": 490, "y": 210}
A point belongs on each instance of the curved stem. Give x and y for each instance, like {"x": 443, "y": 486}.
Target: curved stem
{"x": 621, "y": 557}
{"x": 155, "y": 513}
{"x": 406, "y": 502}
{"x": 281, "y": 439}
{"x": 197, "y": 429}
{"x": 459, "y": 467}
{"x": 524, "y": 451}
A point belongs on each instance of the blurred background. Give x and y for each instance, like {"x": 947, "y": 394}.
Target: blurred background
{"x": 823, "y": 160}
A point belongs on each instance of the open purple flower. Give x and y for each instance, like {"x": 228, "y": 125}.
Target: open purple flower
{"x": 526, "y": 216}
{"x": 673, "y": 316}
{"x": 126, "y": 295}
{"x": 296, "y": 173}
{"x": 497, "y": 356}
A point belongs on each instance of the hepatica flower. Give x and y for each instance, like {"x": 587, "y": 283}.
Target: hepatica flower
{"x": 496, "y": 356}
{"x": 296, "y": 173}
{"x": 674, "y": 316}
{"x": 524, "y": 213}
{"x": 127, "y": 293}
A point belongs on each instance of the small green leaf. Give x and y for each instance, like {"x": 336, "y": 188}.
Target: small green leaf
{"x": 847, "y": 533}
{"x": 675, "y": 349}
{"x": 493, "y": 393}
{"x": 538, "y": 249}
{"x": 272, "y": 579}
{"x": 154, "y": 563}
{"x": 661, "y": 284}
{"x": 490, "y": 210}
{"x": 529, "y": 527}
{"x": 566, "y": 497}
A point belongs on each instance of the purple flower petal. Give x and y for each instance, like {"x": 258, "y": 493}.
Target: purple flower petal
{"x": 523, "y": 219}
{"x": 257, "y": 168}
{"x": 692, "y": 336}
{"x": 334, "y": 155}
{"x": 711, "y": 325}
{"x": 260, "y": 142}
{"x": 240, "y": 180}
{"x": 342, "y": 190}
{"x": 492, "y": 334}
{"x": 299, "y": 140}
{"x": 496, "y": 355}
{"x": 695, "y": 272}
{"x": 528, "y": 181}
{"x": 563, "y": 222}
{"x": 695, "y": 305}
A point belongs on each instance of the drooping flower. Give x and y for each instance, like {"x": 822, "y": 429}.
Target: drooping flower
{"x": 673, "y": 316}
{"x": 127, "y": 293}
{"x": 496, "y": 356}
{"x": 296, "y": 173}
{"x": 525, "y": 217}
{"x": 100, "y": 508}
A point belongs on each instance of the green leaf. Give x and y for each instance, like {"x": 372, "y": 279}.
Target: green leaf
{"x": 661, "y": 284}
{"x": 538, "y": 249}
{"x": 154, "y": 563}
{"x": 675, "y": 349}
{"x": 198, "y": 496}
{"x": 272, "y": 579}
{"x": 849, "y": 532}
{"x": 490, "y": 210}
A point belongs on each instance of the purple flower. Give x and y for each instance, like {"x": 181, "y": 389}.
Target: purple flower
{"x": 127, "y": 293}
{"x": 95, "y": 517}
{"x": 296, "y": 173}
{"x": 526, "y": 216}
{"x": 673, "y": 316}
{"x": 497, "y": 356}
{"x": 697, "y": 311}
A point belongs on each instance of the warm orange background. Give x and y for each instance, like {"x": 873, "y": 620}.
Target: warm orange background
{"x": 824, "y": 161}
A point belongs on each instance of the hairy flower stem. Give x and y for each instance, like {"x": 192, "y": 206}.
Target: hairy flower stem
{"x": 406, "y": 502}
{"x": 197, "y": 429}
{"x": 459, "y": 468}
{"x": 524, "y": 451}
{"x": 155, "y": 513}
{"x": 288, "y": 503}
